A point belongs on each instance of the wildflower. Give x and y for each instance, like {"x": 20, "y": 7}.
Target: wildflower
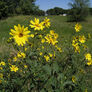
{"x": 84, "y": 46}
{"x": 25, "y": 49}
{"x": 58, "y": 48}
{"x": 82, "y": 39}
{"x": 89, "y": 36}
{"x": 36, "y": 25}
{"x": 40, "y": 36}
{"x": 77, "y": 48}
{"x": 15, "y": 58}
{"x": 50, "y": 55}
{"x": 47, "y": 58}
{"x": 1, "y": 68}
{"x": 50, "y": 39}
{"x": 42, "y": 47}
{"x": 73, "y": 79}
{"x": 1, "y": 75}
{"x": 2, "y": 63}
{"x": 89, "y": 62}
{"x": 14, "y": 68}
{"x": 55, "y": 35}
{"x": 41, "y": 53}
{"x": 86, "y": 90}
{"x": 25, "y": 66}
{"x": 46, "y": 22}
{"x": 78, "y": 27}
{"x": 21, "y": 55}
{"x": 52, "y": 32}
{"x": 20, "y": 34}
{"x": 88, "y": 56}
{"x": 32, "y": 35}
{"x": 43, "y": 40}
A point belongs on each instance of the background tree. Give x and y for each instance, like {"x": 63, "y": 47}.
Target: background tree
{"x": 90, "y": 11}
{"x": 3, "y": 9}
{"x": 55, "y": 11}
{"x": 79, "y": 10}
{"x": 12, "y": 7}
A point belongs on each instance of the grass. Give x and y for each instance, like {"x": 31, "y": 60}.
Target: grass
{"x": 58, "y": 23}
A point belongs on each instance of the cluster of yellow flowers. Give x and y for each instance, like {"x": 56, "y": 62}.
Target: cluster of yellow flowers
{"x": 89, "y": 58}
{"x": 78, "y": 40}
{"x": 14, "y": 68}
{"x": 37, "y": 25}
{"x": 51, "y": 38}
{"x": 19, "y": 55}
{"x": 78, "y": 27}
{"x": 21, "y": 34}
{"x": 2, "y": 63}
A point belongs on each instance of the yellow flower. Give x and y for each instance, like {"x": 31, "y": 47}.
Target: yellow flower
{"x": 55, "y": 35}
{"x": 84, "y": 46}
{"x": 82, "y": 39}
{"x": 50, "y": 39}
{"x": 25, "y": 49}
{"x": 46, "y": 22}
{"x": 52, "y": 32}
{"x": 89, "y": 36}
{"x": 25, "y": 66}
{"x": 20, "y": 34}
{"x": 43, "y": 40}
{"x": 14, "y": 68}
{"x": 2, "y": 63}
{"x": 1, "y": 75}
{"x": 47, "y": 58}
{"x": 1, "y": 68}
{"x": 89, "y": 62}
{"x": 58, "y": 48}
{"x": 74, "y": 79}
{"x": 40, "y": 36}
{"x": 86, "y": 90}
{"x": 36, "y": 24}
{"x": 21, "y": 54}
{"x": 88, "y": 56}
{"x": 50, "y": 54}
{"x": 41, "y": 53}
{"x": 32, "y": 35}
{"x": 42, "y": 47}
{"x": 15, "y": 58}
{"x": 77, "y": 49}
{"x": 78, "y": 27}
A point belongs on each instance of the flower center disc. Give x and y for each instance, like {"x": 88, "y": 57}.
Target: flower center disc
{"x": 20, "y": 34}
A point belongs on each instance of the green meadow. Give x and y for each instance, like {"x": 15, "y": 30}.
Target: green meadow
{"x": 58, "y": 23}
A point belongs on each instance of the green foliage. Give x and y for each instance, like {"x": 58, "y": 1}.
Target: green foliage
{"x": 3, "y": 9}
{"x": 38, "y": 12}
{"x": 90, "y": 9}
{"x": 13, "y": 7}
{"x": 56, "y": 11}
{"x": 79, "y": 10}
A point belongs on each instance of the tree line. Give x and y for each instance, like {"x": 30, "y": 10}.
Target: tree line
{"x": 12, "y": 7}
{"x": 79, "y": 9}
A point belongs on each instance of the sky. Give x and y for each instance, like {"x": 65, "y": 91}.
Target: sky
{"x": 48, "y": 4}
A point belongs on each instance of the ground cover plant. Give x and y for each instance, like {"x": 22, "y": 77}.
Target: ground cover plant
{"x": 41, "y": 62}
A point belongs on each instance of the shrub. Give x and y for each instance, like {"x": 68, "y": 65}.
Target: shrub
{"x": 79, "y": 10}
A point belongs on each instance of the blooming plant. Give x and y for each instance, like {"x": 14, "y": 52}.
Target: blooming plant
{"x": 40, "y": 63}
